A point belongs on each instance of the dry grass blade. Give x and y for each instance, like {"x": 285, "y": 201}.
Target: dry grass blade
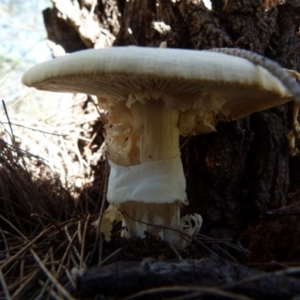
{"x": 36, "y": 129}
{"x": 51, "y": 291}
{"x": 5, "y": 243}
{"x": 110, "y": 257}
{"x": 52, "y": 262}
{"x": 14, "y": 227}
{"x": 70, "y": 278}
{"x": 4, "y": 286}
{"x": 79, "y": 232}
{"x": 61, "y": 289}
{"x": 9, "y": 123}
{"x": 179, "y": 257}
{"x": 73, "y": 247}
{"x": 65, "y": 255}
{"x": 23, "y": 284}
{"x": 82, "y": 264}
{"x": 24, "y": 249}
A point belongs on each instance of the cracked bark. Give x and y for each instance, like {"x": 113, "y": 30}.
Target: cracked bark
{"x": 124, "y": 278}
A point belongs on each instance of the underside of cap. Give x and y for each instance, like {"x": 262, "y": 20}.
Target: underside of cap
{"x": 227, "y": 87}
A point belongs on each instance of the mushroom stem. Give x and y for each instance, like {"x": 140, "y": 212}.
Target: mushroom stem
{"x": 147, "y": 197}
{"x": 160, "y": 215}
{"x": 158, "y": 128}
{"x": 159, "y": 140}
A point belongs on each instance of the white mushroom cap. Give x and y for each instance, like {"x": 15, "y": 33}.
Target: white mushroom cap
{"x": 201, "y": 84}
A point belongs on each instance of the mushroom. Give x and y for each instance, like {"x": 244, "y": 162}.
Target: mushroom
{"x": 152, "y": 96}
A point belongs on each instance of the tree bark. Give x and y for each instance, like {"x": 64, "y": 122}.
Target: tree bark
{"x": 180, "y": 277}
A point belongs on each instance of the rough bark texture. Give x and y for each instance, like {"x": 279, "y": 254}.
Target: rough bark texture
{"x": 124, "y": 278}
{"x": 236, "y": 175}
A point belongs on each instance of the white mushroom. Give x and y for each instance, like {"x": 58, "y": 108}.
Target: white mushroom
{"x": 152, "y": 96}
